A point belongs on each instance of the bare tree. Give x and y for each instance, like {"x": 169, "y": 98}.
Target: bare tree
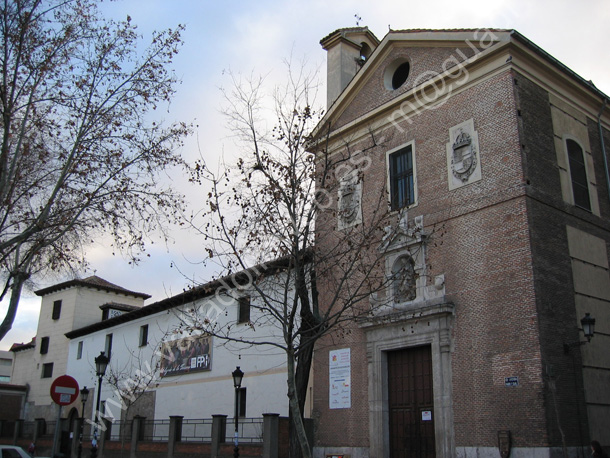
{"x": 275, "y": 203}
{"x": 80, "y": 154}
{"x": 132, "y": 380}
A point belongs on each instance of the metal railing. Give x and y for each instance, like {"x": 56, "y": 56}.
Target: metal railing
{"x": 8, "y": 429}
{"x": 197, "y": 430}
{"x": 49, "y": 429}
{"x": 155, "y": 430}
{"x": 192, "y": 430}
{"x": 119, "y": 430}
{"x": 250, "y": 430}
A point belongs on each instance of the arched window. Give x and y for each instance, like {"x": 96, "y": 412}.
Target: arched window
{"x": 578, "y": 174}
{"x": 365, "y": 52}
{"x": 404, "y": 279}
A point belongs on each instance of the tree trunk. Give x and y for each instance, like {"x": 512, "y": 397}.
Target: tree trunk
{"x": 18, "y": 281}
{"x": 301, "y": 383}
{"x": 295, "y": 411}
{"x": 307, "y": 332}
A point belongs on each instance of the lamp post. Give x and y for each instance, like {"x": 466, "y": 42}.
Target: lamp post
{"x": 588, "y": 328}
{"x": 238, "y": 375}
{"x": 84, "y": 394}
{"x": 101, "y": 363}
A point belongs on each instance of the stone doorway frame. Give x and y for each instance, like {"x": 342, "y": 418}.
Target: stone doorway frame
{"x": 428, "y": 324}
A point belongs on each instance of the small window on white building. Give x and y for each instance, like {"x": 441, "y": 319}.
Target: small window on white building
{"x": 244, "y": 309}
{"x": 242, "y": 402}
{"x": 108, "y": 347}
{"x": 79, "y": 351}
{"x": 47, "y": 370}
{"x": 56, "y": 310}
{"x": 143, "y": 335}
{"x": 44, "y": 345}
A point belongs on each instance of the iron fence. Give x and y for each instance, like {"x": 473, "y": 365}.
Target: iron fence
{"x": 250, "y": 430}
{"x": 192, "y": 430}
{"x": 48, "y": 429}
{"x": 8, "y": 429}
{"x": 155, "y": 430}
{"x": 119, "y": 430}
{"x": 197, "y": 430}
{"x": 28, "y": 429}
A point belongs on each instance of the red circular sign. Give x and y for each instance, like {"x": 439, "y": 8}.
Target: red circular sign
{"x": 64, "y": 390}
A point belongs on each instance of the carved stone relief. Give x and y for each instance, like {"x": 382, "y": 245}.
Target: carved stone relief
{"x": 408, "y": 287}
{"x": 350, "y": 201}
{"x": 463, "y": 155}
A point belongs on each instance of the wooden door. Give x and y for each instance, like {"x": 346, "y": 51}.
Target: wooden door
{"x": 411, "y": 403}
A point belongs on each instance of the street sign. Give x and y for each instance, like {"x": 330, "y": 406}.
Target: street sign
{"x": 64, "y": 390}
{"x": 511, "y": 381}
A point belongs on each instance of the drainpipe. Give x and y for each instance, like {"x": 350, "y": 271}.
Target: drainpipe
{"x": 601, "y": 141}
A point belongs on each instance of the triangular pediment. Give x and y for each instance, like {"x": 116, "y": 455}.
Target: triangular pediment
{"x": 403, "y": 235}
{"x": 438, "y": 59}
{"x": 427, "y": 53}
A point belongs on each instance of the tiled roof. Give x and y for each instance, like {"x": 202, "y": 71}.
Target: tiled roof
{"x": 188, "y": 296}
{"x": 117, "y": 306}
{"x": 23, "y": 346}
{"x": 347, "y": 30}
{"x": 91, "y": 282}
{"x": 12, "y": 387}
{"x": 448, "y": 30}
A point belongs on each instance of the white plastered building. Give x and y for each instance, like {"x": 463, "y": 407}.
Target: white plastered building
{"x": 184, "y": 373}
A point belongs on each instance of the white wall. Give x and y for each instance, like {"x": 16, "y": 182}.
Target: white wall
{"x": 80, "y": 307}
{"x": 6, "y": 366}
{"x": 195, "y": 395}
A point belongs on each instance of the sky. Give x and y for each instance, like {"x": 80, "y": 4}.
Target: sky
{"x": 254, "y": 38}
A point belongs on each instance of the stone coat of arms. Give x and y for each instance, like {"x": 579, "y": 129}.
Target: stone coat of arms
{"x": 463, "y": 155}
{"x": 350, "y": 197}
{"x": 464, "y": 158}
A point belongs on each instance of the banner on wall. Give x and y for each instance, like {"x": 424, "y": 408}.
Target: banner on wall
{"x": 183, "y": 356}
{"x": 340, "y": 396}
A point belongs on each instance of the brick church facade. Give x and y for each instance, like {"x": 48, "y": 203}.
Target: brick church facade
{"x": 493, "y": 156}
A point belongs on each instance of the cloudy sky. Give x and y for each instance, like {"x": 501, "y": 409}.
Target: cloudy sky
{"x": 253, "y": 37}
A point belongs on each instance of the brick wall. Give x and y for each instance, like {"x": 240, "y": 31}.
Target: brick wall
{"x": 425, "y": 62}
{"x": 548, "y": 217}
{"x": 501, "y": 244}
{"x": 484, "y": 252}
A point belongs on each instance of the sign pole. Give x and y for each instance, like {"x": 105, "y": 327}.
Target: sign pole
{"x": 64, "y": 391}
{"x": 57, "y": 428}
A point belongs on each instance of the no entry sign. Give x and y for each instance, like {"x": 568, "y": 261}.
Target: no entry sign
{"x": 64, "y": 390}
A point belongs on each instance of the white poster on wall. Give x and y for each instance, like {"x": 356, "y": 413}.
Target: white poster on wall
{"x": 339, "y": 377}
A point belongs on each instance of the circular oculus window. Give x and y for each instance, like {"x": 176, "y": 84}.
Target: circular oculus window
{"x": 396, "y": 74}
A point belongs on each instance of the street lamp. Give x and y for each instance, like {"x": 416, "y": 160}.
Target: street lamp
{"x": 101, "y": 363}
{"x": 84, "y": 394}
{"x": 588, "y": 328}
{"x": 238, "y": 375}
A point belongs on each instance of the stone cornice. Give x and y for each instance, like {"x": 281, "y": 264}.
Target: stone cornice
{"x": 414, "y": 311}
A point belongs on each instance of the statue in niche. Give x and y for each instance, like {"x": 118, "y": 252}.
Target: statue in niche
{"x": 404, "y": 279}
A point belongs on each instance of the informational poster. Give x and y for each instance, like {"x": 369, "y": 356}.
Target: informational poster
{"x": 339, "y": 366}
